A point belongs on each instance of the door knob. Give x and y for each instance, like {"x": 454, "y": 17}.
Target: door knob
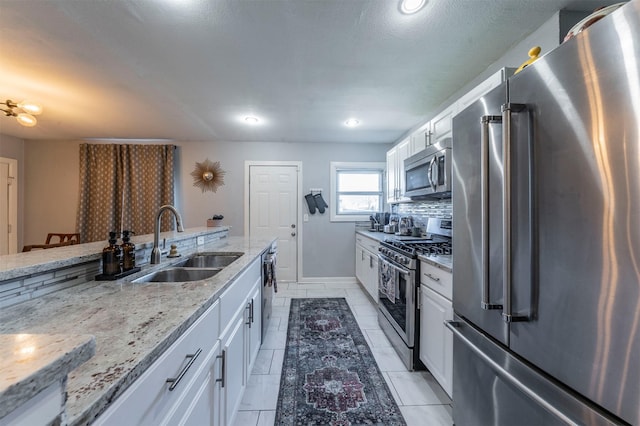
{"x": 293, "y": 234}
{"x": 293, "y": 225}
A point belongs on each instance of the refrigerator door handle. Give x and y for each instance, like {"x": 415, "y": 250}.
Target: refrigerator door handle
{"x": 505, "y": 375}
{"x": 507, "y": 311}
{"x": 486, "y": 120}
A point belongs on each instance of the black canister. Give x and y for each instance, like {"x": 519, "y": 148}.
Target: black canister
{"x": 111, "y": 256}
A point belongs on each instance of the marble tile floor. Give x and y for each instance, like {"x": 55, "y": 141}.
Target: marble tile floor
{"x": 420, "y": 398}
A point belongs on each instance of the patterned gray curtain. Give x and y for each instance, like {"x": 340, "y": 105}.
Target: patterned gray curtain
{"x": 122, "y": 186}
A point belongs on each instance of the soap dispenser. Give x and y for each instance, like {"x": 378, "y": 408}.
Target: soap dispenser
{"x": 111, "y": 256}
{"x": 128, "y": 252}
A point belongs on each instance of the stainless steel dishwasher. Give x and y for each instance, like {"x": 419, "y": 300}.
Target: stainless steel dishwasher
{"x": 269, "y": 285}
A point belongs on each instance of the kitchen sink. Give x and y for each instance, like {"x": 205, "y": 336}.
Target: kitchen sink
{"x": 178, "y": 275}
{"x": 197, "y": 267}
{"x": 210, "y": 260}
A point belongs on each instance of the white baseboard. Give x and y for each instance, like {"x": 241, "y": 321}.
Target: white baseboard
{"x": 324, "y": 280}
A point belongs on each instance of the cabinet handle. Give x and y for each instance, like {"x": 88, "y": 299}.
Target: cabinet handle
{"x": 370, "y": 261}
{"x": 249, "y": 320}
{"x": 251, "y": 313}
{"x": 223, "y": 369}
{"x": 436, "y": 279}
{"x": 175, "y": 380}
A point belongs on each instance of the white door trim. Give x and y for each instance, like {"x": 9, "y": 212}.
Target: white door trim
{"x": 13, "y": 203}
{"x": 298, "y": 164}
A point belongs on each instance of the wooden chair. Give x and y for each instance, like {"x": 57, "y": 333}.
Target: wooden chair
{"x": 63, "y": 238}
{"x": 47, "y": 246}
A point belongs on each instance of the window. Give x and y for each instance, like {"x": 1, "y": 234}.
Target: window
{"x": 356, "y": 191}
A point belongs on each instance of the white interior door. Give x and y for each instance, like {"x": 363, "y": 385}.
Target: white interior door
{"x": 8, "y": 206}
{"x": 273, "y": 212}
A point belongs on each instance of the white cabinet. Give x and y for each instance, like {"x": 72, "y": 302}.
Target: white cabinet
{"x": 436, "y": 340}
{"x": 157, "y": 395}
{"x": 395, "y": 171}
{"x": 234, "y": 360}
{"x": 200, "y": 379}
{"x": 483, "y": 88}
{"x": 254, "y": 334}
{"x": 441, "y": 125}
{"x": 367, "y": 264}
{"x": 240, "y": 338}
{"x": 420, "y": 139}
{"x": 201, "y": 403}
{"x": 42, "y": 409}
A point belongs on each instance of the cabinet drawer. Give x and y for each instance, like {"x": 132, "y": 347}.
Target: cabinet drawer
{"x": 148, "y": 400}
{"x": 437, "y": 279}
{"x": 235, "y": 295}
{"x": 368, "y": 243}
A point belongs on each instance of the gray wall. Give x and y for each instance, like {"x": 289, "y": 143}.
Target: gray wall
{"x": 12, "y": 147}
{"x": 328, "y": 248}
{"x": 548, "y": 36}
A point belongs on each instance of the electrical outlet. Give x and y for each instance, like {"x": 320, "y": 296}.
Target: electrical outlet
{"x": 200, "y": 240}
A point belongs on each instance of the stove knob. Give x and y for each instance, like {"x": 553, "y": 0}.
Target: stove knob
{"x": 405, "y": 261}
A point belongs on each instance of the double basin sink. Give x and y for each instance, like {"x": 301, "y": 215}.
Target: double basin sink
{"x": 197, "y": 267}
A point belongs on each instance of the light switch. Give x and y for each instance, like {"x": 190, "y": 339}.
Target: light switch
{"x": 305, "y": 217}
{"x": 200, "y": 241}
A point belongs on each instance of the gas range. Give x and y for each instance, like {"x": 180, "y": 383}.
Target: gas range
{"x": 404, "y": 250}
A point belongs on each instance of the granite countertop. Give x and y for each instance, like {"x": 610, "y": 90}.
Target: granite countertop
{"x": 133, "y": 324}
{"x": 379, "y": 236}
{"x": 31, "y": 362}
{"x": 444, "y": 262}
{"x": 21, "y": 264}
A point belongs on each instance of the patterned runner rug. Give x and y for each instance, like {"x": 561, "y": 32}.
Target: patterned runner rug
{"x": 329, "y": 375}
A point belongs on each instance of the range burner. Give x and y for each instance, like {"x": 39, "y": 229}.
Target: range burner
{"x": 434, "y": 248}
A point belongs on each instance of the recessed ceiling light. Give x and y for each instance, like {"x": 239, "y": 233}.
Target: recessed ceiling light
{"x": 411, "y": 6}
{"x": 251, "y": 120}
{"x": 352, "y": 122}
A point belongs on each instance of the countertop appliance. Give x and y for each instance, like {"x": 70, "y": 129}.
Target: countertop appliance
{"x": 547, "y": 238}
{"x": 269, "y": 285}
{"x": 428, "y": 172}
{"x": 399, "y": 284}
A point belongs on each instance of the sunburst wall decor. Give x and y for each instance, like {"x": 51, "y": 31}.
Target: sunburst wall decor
{"x": 208, "y": 176}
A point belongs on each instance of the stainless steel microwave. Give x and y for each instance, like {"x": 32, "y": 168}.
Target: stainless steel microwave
{"x": 428, "y": 172}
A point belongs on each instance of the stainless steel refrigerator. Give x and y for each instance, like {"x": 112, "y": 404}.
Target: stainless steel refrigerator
{"x": 546, "y": 238}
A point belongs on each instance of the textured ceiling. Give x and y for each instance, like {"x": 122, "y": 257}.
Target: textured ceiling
{"x": 190, "y": 69}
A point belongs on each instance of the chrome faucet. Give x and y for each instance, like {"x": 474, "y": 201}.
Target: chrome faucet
{"x": 155, "y": 253}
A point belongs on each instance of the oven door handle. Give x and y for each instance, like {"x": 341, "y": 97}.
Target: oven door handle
{"x": 403, "y": 271}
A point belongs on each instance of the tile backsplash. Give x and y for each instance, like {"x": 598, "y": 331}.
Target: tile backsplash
{"x": 422, "y": 210}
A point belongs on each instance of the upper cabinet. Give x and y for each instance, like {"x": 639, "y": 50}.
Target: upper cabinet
{"x": 438, "y": 128}
{"x": 395, "y": 171}
{"x": 441, "y": 124}
{"x": 420, "y": 138}
{"x": 483, "y": 88}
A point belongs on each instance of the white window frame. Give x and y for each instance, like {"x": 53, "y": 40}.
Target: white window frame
{"x": 333, "y": 203}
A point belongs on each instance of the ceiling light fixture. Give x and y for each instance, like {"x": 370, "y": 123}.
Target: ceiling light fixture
{"x": 352, "y": 122}
{"x": 23, "y": 112}
{"x": 411, "y": 6}
{"x": 251, "y": 120}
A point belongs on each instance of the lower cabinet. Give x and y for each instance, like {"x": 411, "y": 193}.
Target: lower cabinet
{"x": 367, "y": 266}
{"x": 158, "y": 395}
{"x": 436, "y": 341}
{"x": 200, "y": 379}
{"x": 234, "y": 374}
{"x": 201, "y": 403}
